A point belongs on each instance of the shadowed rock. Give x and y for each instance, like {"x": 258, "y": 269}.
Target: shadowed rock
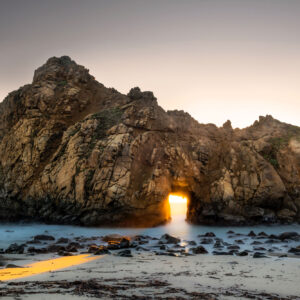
{"x": 199, "y": 250}
{"x": 44, "y": 237}
{"x": 15, "y": 249}
{"x": 168, "y": 239}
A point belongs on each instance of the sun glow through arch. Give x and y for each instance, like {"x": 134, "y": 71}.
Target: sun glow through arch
{"x": 178, "y": 204}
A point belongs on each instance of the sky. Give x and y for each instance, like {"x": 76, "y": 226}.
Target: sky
{"x": 217, "y": 60}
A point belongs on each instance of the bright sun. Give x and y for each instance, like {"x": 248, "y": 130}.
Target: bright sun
{"x": 178, "y": 205}
{"x": 177, "y": 199}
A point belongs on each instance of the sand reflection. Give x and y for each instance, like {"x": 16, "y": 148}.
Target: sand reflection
{"x": 45, "y": 266}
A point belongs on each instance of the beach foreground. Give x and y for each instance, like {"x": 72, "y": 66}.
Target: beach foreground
{"x": 150, "y": 276}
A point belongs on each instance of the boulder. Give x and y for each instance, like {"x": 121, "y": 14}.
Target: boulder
{"x": 289, "y": 235}
{"x": 63, "y": 241}
{"x": 199, "y": 250}
{"x": 295, "y": 250}
{"x": 233, "y": 247}
{"x": 192, "y": 243}
{"x": 207, "y": 234}
{"x": 55, "y": 248}
{"x": 252, "y": 233}
{"x": 44, "y": 237}
{"x": 168, "y": 239}
{"x": 15, "y": 249}
{"x": 243, "y": 253}
{"x": 206, "y": 241}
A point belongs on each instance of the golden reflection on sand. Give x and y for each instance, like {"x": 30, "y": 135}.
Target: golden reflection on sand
{"x": 45, "y": 266}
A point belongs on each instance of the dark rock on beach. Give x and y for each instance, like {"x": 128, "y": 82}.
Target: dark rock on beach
{"x": 192, "y": 243}
{"x": 289, "y": 236}
{"x": 233, "y": 247}
{"x": 64, "y": 253}
{"x": 295, "y": 250}
{"x": 113, "y": 238}
{"x": 207, "y": 234}
{"x": 125, "y": 253}
{"x": 243, "y": 253}
{"x": 15, "y": 249}
{"x": 222, "y": 252}
{"x": 207, "y": 241}
{"x": 55, "y": 248}
{"x": 199, "y": 250}
{"x": 62, "y": 240}
{"x": 251, "y": 233}
{"x": 44, "y": 237}
{"x": 262, "y": 234}
{"x": 240, "y": 242}
{"x": 259, "y": 255}
{"x": 37, "y": 250}
{"x": 256, "y": 243}
{"x": 9, "y": 266}
{"x": 168, "y": 239}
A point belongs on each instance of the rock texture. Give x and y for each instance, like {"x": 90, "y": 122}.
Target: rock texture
{"x": 74, "y": 151}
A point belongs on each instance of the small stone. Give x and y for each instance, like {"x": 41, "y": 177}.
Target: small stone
{"x": 13, "y": 266}
{"x": 44, "y": 237}
{"x": 222, "y": 253}
{"x": 192, "y": 243}
{"x": 199, "y": 250}
{"x": 262, "y": 234}
{"x": 206, "y": 241}
{"x": 62, "y": 241}
{"x": 125, "y": 253}
{"x": 208, "y": 234}
{"x": 233, "y": 247}
{"x": 241, "y": 242}
{"x": 259, "y": 255}
{"x": 251, "y": 233}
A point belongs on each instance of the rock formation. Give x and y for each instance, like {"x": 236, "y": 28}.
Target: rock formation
{"x": 73, "y": 151}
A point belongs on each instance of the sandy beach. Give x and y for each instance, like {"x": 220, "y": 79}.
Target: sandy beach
{"x": 150, "y": 276}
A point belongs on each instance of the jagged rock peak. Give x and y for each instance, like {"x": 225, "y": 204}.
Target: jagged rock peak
{"x": 227, "y": 125}
{"x": 266, "y": 118}
{"x": 61, "y": 68}
{"x": 136, "y": 94}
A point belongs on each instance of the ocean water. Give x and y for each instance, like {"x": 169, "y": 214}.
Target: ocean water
{"x": 22, "y": 232}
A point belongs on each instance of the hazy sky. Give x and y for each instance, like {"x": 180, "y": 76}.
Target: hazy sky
{"x": 217, "y": 60}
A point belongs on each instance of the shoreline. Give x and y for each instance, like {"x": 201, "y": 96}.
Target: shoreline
{"x": 237, "y": 265}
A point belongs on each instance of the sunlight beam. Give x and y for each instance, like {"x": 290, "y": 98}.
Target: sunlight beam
{"x": 178, "y": 204}
{"x": 45, "y": 266}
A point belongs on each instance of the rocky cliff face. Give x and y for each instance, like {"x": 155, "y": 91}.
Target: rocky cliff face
{"x": 74, "y": 151}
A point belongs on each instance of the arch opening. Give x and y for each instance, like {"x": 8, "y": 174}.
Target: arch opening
{"x": 178, "y": 205}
